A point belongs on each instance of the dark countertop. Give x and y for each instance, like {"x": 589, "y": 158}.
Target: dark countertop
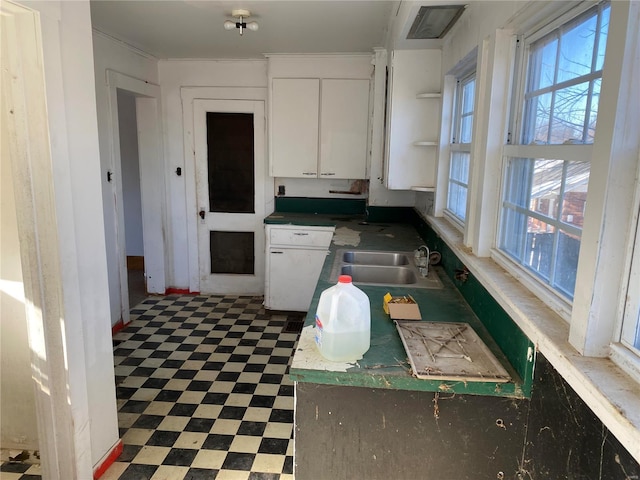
{"x": 385, "y": 365}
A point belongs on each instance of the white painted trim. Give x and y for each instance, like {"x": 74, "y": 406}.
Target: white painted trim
{"x": 444, "y": 151}
{"x": 188, "y": 95}
{"x": 538, "y": 287}
{"x": 626, "y": 359}
{"x": 570, "y": 153}
{"x": 607, "y": 390}
{"x": 152, "y": 169}
{"x": 609, "y": 212}
{"x": 494, "y": 76}
{"x": 133, "y": 49}
{"x": 58, "y": 367}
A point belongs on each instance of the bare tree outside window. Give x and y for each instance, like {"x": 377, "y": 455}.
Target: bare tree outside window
{"x": 544, "y": 198}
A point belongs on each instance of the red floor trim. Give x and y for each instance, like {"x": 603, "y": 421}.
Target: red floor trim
{"x": 179, "y": 291}
{"x": 117, "y": 327}
{"x": 108, "y": 460}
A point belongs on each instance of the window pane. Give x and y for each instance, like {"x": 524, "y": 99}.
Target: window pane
{"x": 457, "y": 201}
{"x": 545, "y": 190}
{"x": 567, "y": 263}
{"x": 517, "y": 181}
{"x": 576, "y": 50}
{"x": 230, "y": 162}
{"x": 513, "y": 230}
{"x": 569, "y": 112}
{"x": 542, "y": 64}
{"x": 468, "y": 96}
{"x": 575, "y": 193}
{"x": 537, "y": 127}
{"x": 539, "y": 247}
{"x": 466, "y": 124}
{"x": 460, "y": 166}
{"x": 602, "y": 41}
{"x": 636, "y": 340}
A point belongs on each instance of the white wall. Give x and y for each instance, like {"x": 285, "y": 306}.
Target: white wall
{"x": 110, "y": 54}
{"x": 18, "y": 428}
{"x": 175, "y": 74}
{"x": 478, "y": 21}
{"x": 132, "y": 200}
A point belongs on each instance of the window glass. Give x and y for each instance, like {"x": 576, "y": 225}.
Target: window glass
{"x": 544, "y": 197}
{"x": 563, "y": 83}
{"x": 457, "y": 187}
{"x": 458, "y": 177}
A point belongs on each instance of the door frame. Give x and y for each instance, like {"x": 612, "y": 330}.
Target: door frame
{"x": 188, "y": 96}
{"x": 151, "y": 156}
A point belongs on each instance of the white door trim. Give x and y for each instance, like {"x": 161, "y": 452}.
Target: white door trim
{"x": 150, "y": 152}
{"x": 188, "y": 95}
{"x": 58, "y": 365}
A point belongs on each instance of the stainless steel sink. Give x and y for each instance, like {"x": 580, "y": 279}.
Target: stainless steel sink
{"x": 384, "y": 268}
{"x": 377, "y": 274}
{"x": 375, "y": 258}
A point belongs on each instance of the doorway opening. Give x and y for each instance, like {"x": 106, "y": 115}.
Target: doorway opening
{"x": 131, "y": 196}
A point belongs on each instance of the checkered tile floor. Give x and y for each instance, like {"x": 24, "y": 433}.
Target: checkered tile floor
{"x": 203, "y": 391}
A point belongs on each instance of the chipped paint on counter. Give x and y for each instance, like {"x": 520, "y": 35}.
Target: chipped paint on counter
{"x": 308, "y": 357}
{"x": 346, "y": 236}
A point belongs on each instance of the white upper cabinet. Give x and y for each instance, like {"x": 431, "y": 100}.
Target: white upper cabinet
{"x": 319, "y": 116}
{"x": 294, "y": 127}
{"x": 413, "y": 119}
{"x": 344, "y": 123}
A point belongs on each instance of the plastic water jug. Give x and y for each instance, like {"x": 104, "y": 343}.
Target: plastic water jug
{"x": 343, "y": 322}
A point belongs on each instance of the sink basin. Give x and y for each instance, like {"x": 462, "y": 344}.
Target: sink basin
{"x": 375, "y": 258}
{"x": 378, "y": 274}
{"x": 384, "y": 268}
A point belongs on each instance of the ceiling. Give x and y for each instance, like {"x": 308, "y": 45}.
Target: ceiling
{"x": 193, "y": 28}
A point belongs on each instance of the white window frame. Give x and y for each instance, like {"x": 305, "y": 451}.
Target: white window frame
{"x": 631, "y": 318}
{"x": 610, "y": 215}
{"x": 568, "y": 152}
{"x": 465, "y": 67}
{"x": 456, "y": 146}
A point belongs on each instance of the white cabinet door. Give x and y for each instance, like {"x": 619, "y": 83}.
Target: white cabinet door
{"x": 294, "y": 127}
{"x": 293, "y": 275}
{"x": 344, "y": 121}
{"x": 413, "y": 122}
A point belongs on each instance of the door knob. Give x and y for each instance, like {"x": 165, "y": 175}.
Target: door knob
{"x": 202, "y": 214}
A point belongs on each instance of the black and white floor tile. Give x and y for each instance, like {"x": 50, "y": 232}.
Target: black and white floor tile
{"x": 203, "y": 391}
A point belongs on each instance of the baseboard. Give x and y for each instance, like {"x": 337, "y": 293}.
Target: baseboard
{"x": 104, "y": 464}
{"x": 179, "y": 291}
{"x": 117, "y": 327}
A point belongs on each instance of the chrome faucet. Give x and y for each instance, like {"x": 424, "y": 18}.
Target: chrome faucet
{"x": 422, "y": 259}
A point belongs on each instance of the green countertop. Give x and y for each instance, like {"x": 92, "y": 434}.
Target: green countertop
{"x": 385, "y": 364}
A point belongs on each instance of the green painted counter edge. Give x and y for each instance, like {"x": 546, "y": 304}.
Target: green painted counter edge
{"x": 407, "y": 382}
{"x": 508, "y": 336}
{"x": 335, "y": 206}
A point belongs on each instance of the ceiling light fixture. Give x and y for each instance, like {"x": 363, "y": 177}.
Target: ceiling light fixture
{"x": 240, "y": 15}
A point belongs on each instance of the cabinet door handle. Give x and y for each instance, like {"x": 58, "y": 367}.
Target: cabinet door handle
{"x": 309, "y": 173}
{"x": 277, "y": 252}
{"x": 327, "y": 174}
{"x": 302, "y": 234}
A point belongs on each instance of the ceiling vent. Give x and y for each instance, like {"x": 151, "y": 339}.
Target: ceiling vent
{"x": 434, "y": 21}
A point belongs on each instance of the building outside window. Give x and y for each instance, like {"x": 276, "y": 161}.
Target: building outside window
{"x": 547, "y": 168}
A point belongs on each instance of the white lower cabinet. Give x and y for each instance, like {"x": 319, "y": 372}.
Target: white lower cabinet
{"x": 294, "y": 260}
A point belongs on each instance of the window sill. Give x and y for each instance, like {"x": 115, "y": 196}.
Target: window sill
{"x": 613, "y": 395}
